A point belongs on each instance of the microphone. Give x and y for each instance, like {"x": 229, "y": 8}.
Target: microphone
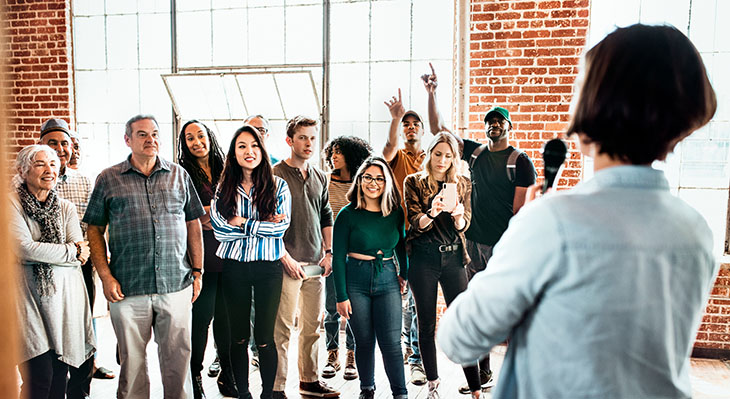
{"x": 553, "y": 154}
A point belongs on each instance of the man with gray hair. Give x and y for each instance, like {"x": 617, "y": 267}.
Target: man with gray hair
{"x": 156, "y": 245}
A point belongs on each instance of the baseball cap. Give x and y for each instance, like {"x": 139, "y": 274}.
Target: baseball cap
{"x": 411, "y": 113}
{"x": 54, "y": 124}
{"x": 499, "y": 111}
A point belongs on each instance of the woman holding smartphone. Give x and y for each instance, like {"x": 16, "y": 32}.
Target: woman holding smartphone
{"x": 250, "y": 214}
{"x": 438, "y": 202}
{"x": 370, "y": 268}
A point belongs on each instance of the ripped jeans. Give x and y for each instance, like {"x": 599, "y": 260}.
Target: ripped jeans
{"x": 265, "y": 277}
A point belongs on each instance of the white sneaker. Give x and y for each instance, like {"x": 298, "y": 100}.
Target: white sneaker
{"x": 433, "y": 389}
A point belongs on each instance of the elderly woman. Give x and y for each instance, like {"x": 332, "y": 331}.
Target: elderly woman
{"x": 51, "y": 287}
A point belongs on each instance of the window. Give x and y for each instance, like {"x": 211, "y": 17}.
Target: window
{"x": 699, "y": 169}
{"x": 122, "y": 49}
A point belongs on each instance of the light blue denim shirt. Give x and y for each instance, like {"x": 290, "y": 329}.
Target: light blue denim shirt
{"x": 599, "y": 289}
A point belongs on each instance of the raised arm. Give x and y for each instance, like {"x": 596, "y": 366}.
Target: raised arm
{"x": 395, "y": 105}
{"x": 435, "y": 119}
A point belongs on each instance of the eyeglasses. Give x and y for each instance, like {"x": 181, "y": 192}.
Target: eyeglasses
{"x": 262, "y": 130}
{"x": 367, "y": 179}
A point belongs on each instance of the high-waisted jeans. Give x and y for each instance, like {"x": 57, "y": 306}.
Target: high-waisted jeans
{"x": 376, "y": 313}
{"x": 428, "y": 268}
{"x": 265, "y": 278}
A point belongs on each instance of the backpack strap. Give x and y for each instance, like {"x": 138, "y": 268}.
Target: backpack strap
{"x": 475, "y": 154}
{"x": 512, "y": 165}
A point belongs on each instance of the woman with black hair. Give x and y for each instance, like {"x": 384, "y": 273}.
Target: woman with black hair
{"x": 250, "y": 214}
{"x": 344, "y": 155}
{"x": 201, "y": 156}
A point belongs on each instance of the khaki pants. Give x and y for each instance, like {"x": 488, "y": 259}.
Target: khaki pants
{"x": 133, "y": 319}
{"x": 306, "y": 295}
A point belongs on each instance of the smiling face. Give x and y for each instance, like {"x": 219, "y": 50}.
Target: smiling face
{"x": 196, "y": 138}
{"x": 61, "y": 142}
{"x": 412, "y": 129}
{"x": 302, "y": 142}
{"x": 372, "y": 182}
{"x": 248, "y": 151}
{"x": 144, "y": 140}
{"x": 43, "y": 173}
{"x": 497, "y": 128}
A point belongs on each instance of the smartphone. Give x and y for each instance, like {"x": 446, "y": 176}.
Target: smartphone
{"x": 313, "y": 270}
{"x": 450, "y": 196}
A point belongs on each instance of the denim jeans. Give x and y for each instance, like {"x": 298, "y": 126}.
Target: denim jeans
{"x": 410, "y": 327}
{"x": 428, "y": 268}
{"x": 376, "y": 314}
{"x": 265, "y": 278}
{"x": 332, "y": 319}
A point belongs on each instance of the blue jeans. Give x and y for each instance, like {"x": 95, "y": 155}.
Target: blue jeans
{"x": 376, "y": 313}
{"x": 332, "y": 319}
{"x": 410, "y": 327}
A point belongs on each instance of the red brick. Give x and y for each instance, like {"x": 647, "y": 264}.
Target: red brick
{"x": 527, "y": 5}
{"x": 507, "y": 15}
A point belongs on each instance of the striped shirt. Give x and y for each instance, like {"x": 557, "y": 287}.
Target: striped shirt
{"x": 338, "y": 194}
{"x": 256, "y": 239}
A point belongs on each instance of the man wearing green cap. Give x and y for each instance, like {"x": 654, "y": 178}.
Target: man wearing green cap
{"x": 500, "y": 175}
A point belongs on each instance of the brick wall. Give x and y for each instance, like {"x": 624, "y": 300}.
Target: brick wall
{"x": 524, "y": 57}
{"x": 713, "y": 338}
{"x": 38, "y": 82}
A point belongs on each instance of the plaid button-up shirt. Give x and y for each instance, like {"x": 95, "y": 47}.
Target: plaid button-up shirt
{"x": 147, "y": 218}
{"x": 75, "y": 187}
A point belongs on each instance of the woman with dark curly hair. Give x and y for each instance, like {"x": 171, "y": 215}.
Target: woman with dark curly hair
{"x": 344, "y": 155}
{"x": 202, "y": 157}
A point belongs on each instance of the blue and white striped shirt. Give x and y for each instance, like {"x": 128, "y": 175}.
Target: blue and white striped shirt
{"x": 256, "y": 239}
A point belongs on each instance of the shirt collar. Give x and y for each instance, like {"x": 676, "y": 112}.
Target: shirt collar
{"x": 160, "y": 164}
{"x": 628, "y": 176}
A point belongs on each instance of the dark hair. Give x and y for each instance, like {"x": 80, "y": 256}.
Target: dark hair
{"x": 188, "y": 161}
{"x": 128, "y": 126}
{"x": 645, "y": 89}
{"x": 297, "y": 122}
{"x": 264, "y": 194}
{"x": 354, "y": 149}
{"x": 390, "y": 199}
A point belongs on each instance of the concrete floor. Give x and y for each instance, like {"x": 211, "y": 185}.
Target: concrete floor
{"x": 710, "y": 378}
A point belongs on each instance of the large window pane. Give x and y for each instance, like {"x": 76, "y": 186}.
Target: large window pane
{"x": 390, "y": 30}
{"x": 266, "y": 35}
{"x": 194, "y": 38}
{"x": 88, "y": 41}
{"x": 121, "y": 41}
{"x": 154, "y": 41}
{"x": 349, "y": 31}
{"x": 304, "y": 34}
{"x": 229, "y": 37}
{"x": 349, "y": 92}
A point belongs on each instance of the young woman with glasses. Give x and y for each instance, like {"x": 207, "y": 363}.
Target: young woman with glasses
{"x": 370, "y": 269}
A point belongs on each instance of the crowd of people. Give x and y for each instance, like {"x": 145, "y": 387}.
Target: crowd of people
{"x": 597, "y": 290}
